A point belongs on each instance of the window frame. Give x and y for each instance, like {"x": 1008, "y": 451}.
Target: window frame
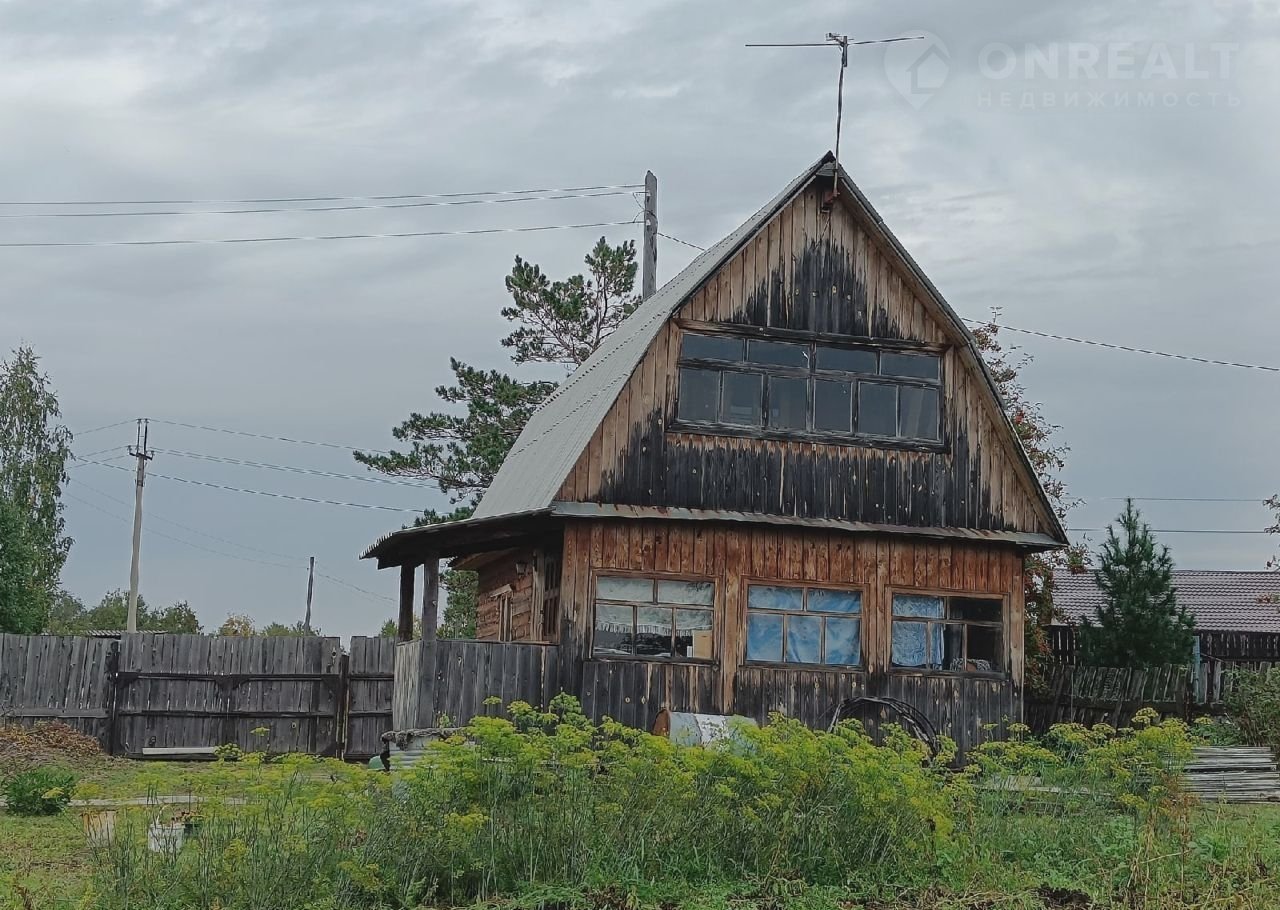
{"x": 861, "y": 590}
{"x": 714, "y": 609}
{"x": 812, "y": 374}
{"x": 947, "y": 594}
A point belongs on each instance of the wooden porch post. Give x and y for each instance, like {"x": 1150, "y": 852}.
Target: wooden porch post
{"x": 404, "y": 630}
{"x": 431, "y": 598}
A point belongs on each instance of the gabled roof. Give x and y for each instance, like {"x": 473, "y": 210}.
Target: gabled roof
{"x": 560, "y": 429}
{"x": 1219, "y": 601}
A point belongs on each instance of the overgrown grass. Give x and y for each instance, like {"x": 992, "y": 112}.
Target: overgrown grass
{"x": 550, "y": 810}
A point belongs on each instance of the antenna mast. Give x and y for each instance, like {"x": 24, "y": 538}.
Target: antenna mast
{"x": 842, "y": 42}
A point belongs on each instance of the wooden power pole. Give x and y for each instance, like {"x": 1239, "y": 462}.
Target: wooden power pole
{"x": 649, "y": 260}
{"x": 143, "y": 455}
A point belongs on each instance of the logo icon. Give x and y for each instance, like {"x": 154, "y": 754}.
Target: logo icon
{"x": 918, "y": 69}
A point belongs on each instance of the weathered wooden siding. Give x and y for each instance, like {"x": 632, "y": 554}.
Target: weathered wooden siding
{"x": 498, "y": 580}
{"x": 733, "y": 554}
{"x": 453, "y": 678}
{"x": 57, "y": 677}
{"x": 406, "y": 691}
{"x": 634, "y": 691}
{"x": 814, "y": 273}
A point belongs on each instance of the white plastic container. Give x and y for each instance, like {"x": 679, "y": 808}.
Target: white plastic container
{"x": 166, "y": 838}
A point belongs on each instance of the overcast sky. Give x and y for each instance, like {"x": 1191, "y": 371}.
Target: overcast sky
{"x": 1105, "y": 170}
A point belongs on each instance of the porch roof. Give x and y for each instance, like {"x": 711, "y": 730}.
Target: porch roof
{"x": 412, "y": 546}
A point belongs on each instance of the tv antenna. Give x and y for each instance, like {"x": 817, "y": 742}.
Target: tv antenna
{"x": 844, "y": 43}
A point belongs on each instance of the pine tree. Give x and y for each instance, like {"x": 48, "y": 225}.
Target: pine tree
{"x": 1139, "y": 623}
{"x": 460, "y": 450}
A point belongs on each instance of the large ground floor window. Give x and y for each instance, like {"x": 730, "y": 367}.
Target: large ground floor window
{"x": 653, "y": 618}
{"x": 960, "y": 634}
{"x": 804, "y": 625}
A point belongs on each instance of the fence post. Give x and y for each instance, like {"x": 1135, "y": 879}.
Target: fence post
{"x": 342, "y": 708}
{"x": 112, "y": 694}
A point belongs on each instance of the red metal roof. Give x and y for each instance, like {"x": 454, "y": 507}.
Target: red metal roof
{"x": 1220, "y": 601}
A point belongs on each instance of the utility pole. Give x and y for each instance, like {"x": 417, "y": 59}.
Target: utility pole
{"x": 143, "y": 455}
{"x": 649, "y": 259}
{"x": 311, "y": 586}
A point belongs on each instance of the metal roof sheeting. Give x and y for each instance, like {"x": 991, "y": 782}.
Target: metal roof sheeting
{"x": 1219, "y": 601}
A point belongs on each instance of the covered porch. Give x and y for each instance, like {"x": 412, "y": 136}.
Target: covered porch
{"x": 449, "y": 680}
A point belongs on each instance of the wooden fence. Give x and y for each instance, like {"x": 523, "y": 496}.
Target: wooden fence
{"x": 464, "y": 674}
{"x": 1092, "y": 695}
{"x": 62, "y": 677}
{"x": 153, "y": 695}
{"x": 369, "y": 685}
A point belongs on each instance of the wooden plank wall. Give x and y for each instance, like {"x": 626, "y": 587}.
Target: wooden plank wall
{"x": 370, "y": 679}
{"x": 499, "y": 579}
{"x": 455, "y": 677}
{"x": 178, "y": 691}
{"x": 57, "y": 677}
{"x": 734, "y": 554}
{"x": 810, "y": 272}
{"x": 634, "y": 691}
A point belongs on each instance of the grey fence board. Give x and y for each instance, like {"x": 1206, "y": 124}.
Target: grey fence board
{"x": 62, "y": 677}
{"x": 370, "y": 680}
{"x": 193, "y": 691}
{"x": 453, "y": 678}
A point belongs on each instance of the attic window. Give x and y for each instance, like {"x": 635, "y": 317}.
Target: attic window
{"x": 810, "y": 388}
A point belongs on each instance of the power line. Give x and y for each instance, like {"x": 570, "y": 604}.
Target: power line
{"x": 1177, "y": 531}
{"x": 328, "y": 208}
{"x": 28, "y": 244}
{"x": 118, "y": 423}
{"x": 280, "y": 199}
{"x": 1124, "y": 347}
{"x": 305, "y": 442}
{"x": 222, "y": 459}
{"x": 1008, "y": 328}
{"x": 701, "y": 249}
{"x": 214, "y": 537}
{"x": 100, "y": 452}
{"x": 347, "y": 584}
{"x": 187, "y": 543}
{"x": 1258, "y": 500}
{"x": 233, "y": 543}
{"x": 271, "y": 493}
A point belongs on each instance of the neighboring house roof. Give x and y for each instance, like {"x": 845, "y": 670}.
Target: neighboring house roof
{"x": 1219, "y": 601}
{"x": 560, "y": 429}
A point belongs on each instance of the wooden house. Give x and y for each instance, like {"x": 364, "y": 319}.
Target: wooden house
{"x": 785, "y": 480}
{"x": 1237, "y": 614}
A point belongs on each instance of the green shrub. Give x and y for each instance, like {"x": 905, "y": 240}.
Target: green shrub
{"x": 39, "y": 791}
{"x": 553, "y": 799}
{"x": 548, "y": 809}
{"x": 1254, "y": 705}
